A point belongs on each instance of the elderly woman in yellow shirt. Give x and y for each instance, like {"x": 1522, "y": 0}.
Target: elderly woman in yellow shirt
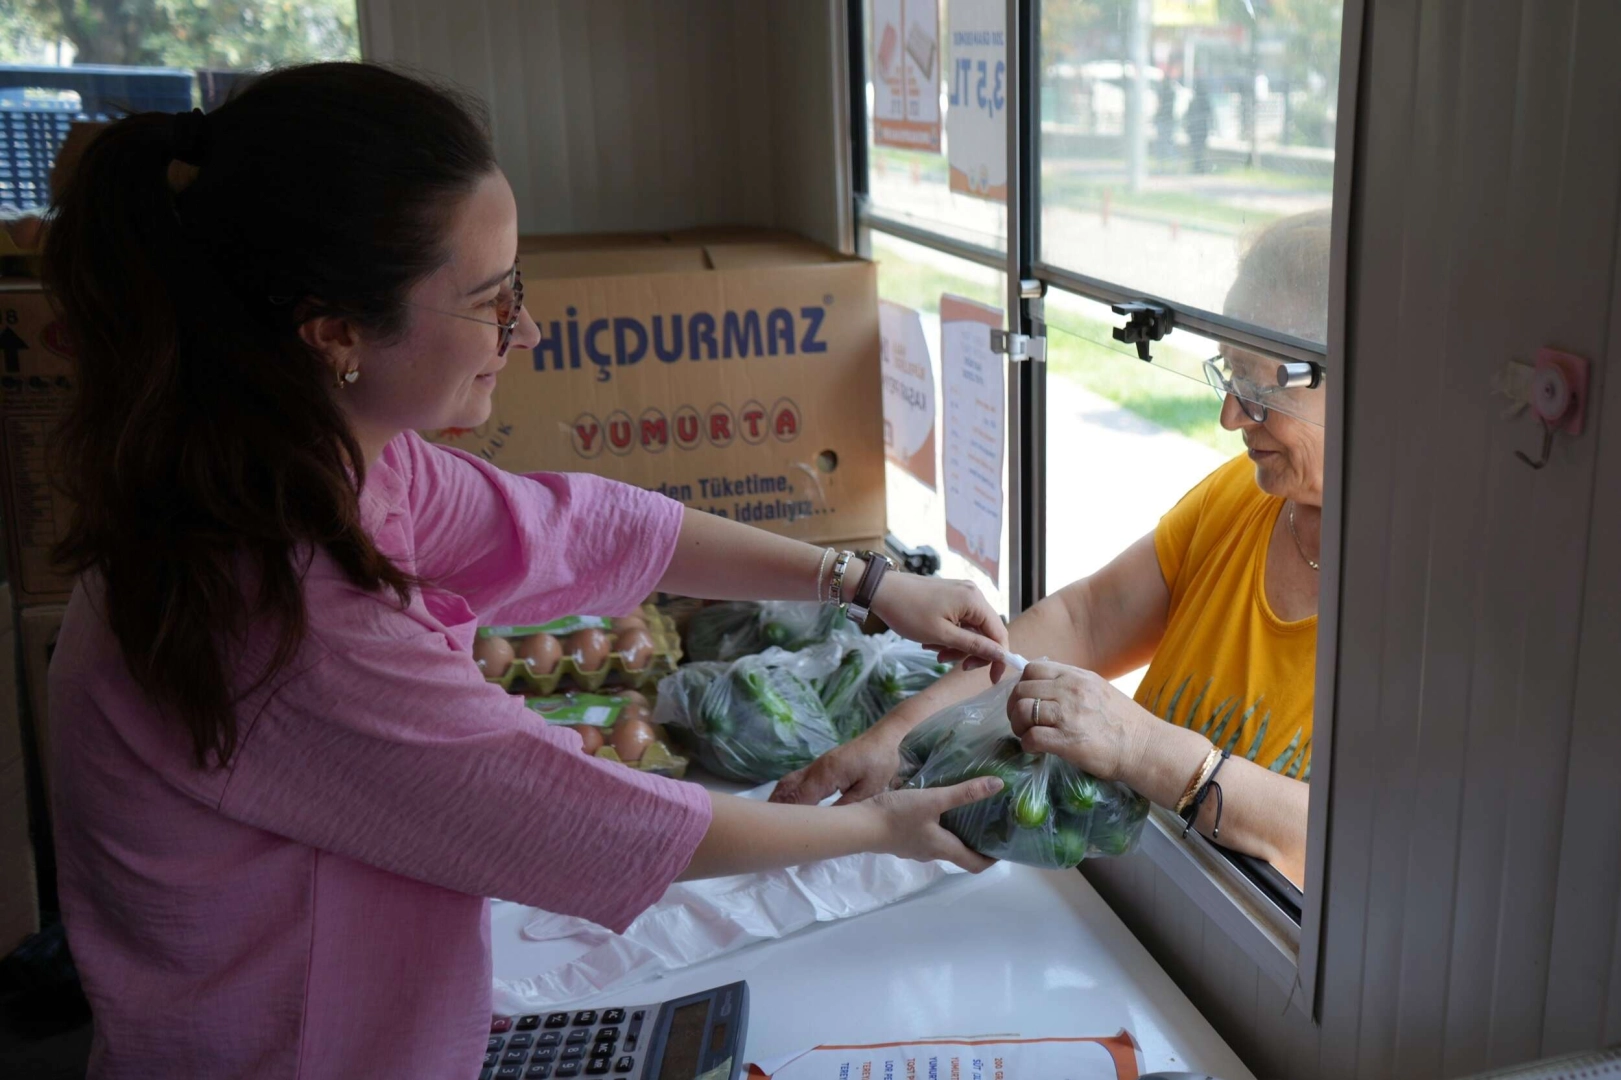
{"x": 1220, "y": 600}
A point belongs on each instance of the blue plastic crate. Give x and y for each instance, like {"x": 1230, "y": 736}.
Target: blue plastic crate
{"x": 39, "y": 104}
{"x": 33, "y": 124}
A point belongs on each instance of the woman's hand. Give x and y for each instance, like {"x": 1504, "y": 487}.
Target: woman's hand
{"x": 860, "y": 768}
{"x": 1081, "y": 717}
{"x": 746, "y": 836}
{"x": 908, "y": 822}
{"x": 950, "y": 617}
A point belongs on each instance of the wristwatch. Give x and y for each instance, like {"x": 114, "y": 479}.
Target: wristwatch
{"x": 877, "y": 566}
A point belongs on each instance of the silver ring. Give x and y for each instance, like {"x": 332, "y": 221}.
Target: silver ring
{"x": 1035, "y": 714}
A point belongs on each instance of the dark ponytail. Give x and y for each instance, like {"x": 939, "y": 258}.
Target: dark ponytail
{"x": 204, "y": 452}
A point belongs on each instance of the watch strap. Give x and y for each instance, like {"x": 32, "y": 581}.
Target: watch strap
{"x": 867, "y": 589}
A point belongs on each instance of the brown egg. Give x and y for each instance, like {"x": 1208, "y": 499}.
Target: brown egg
{"x": 636, "y": 646}
{"x": 629, "y": 622}
{"x": 588, "y": 649}
{"x": 633, "y": 696}
{"x": 541, "y": 652}
{"x": 590, "y": 737}
{"x": 634, "y": 711}
{"x": 631, "y": 737}
{"x": 493, "y": 655}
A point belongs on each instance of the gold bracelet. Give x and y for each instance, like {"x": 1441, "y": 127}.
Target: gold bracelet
{"x": 1211, "y": 760}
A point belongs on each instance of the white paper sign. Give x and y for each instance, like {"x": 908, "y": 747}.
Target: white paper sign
{"x": 909, "y": 406}
{"x": 906, "y": 74}
{"x": 975, "y": 404}
{"x": 977, "y": 82}
{"x": 1007, "y": 1058}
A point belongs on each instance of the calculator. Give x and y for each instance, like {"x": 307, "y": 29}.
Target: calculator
{"x": 697, "y": 1037}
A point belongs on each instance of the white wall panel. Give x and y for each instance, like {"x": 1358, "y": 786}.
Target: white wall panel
{"x": 619, "y": 115}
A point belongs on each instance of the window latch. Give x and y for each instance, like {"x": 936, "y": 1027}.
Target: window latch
{"x": 1018, "y": 347}
{"x": 1145, "y": 322}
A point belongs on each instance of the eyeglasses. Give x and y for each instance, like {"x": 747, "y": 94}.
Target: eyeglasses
{"x": 1250, "y": 394}
{"x": 508, "y": 309}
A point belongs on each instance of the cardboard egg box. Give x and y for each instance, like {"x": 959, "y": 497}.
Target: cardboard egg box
{"x": 617, "y": 669}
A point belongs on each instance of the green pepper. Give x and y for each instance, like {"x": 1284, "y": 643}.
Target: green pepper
{"x": 986, "y": 826}
{"x": 1109, "y": 839}
{"x": 949, "y": 777}
{"x": 1009, "y": 749}
{"x": 840, "y": 685}
{"x": 1031, "y": 808}
{"x": 1070, "y": 847}
{"x": 1078, "y": 792}
{"x": 716, "y": 719}
{"x": 771, "y": 704}
{"x": 1116, "y": 826}
{"x": 925, "y": 741}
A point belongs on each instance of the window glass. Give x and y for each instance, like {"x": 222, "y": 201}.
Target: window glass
{"x": 61, "y": 63}
{"x": 913, "y": 185}
{"x": 1175, "y": 131}
{"x": 1157, "y": 425}
{"x": 914, "y": 278}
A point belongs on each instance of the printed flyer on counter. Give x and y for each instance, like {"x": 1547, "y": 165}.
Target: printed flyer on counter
{"x": 1002, "y": 1058}
{"x": 975, "y": 403}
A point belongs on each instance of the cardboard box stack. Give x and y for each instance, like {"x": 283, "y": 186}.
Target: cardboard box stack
{"x": 734, "y": 370}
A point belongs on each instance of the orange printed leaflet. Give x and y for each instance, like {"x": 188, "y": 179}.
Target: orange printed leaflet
{"x": 1000, "y": 1058}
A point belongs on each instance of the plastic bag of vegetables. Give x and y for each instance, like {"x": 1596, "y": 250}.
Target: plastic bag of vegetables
{"x": 754, "y": 720}
{"x": 1048, "y": 813}
{"x": 730, "y": 631}
{"x": 872, "y": 676}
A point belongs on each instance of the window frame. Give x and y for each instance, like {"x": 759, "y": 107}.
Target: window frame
{"x": 1288, "y": 950}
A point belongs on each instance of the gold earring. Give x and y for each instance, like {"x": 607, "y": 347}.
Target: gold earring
{"x": 347, "y": 377}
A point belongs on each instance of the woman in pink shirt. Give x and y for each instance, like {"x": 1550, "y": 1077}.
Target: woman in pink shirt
{"x": 283, "y": 787}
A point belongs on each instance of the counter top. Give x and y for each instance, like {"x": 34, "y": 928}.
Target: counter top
{"x": 1025, "y": 951}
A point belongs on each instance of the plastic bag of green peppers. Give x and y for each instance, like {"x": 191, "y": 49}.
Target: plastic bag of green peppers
{"x": 730, "y": 631}
{"x": 754, "y": 720}
{"x": 871, "y": 676}
{"x": 1048, "y": 813}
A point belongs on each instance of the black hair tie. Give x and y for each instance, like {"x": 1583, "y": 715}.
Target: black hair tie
{"x": 190, "y": 136}
{"x": 1191, "y": 814}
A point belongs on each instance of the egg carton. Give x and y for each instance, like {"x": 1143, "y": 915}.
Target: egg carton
{"x": 603, "y": 713}
{"x": 616, "y": 669}
{"x": 658, "y": 759}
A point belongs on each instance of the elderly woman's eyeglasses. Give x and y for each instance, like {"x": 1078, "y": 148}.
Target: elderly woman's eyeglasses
{"x": 508, "y": 310}
{"x": 1250, "y": 394}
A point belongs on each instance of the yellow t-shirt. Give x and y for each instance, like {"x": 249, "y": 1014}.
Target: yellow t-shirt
{"x": 1227, "y": 666}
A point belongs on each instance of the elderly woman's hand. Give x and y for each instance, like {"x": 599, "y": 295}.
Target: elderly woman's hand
{"x": 859, "y": 769}
{"x": 1080, "y": 716}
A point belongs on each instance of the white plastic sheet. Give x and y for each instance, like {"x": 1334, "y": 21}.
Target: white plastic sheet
{"x": 700, "y": 920}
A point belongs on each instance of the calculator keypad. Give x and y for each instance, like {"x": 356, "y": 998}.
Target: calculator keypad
{"x": 563, "y": 1045}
